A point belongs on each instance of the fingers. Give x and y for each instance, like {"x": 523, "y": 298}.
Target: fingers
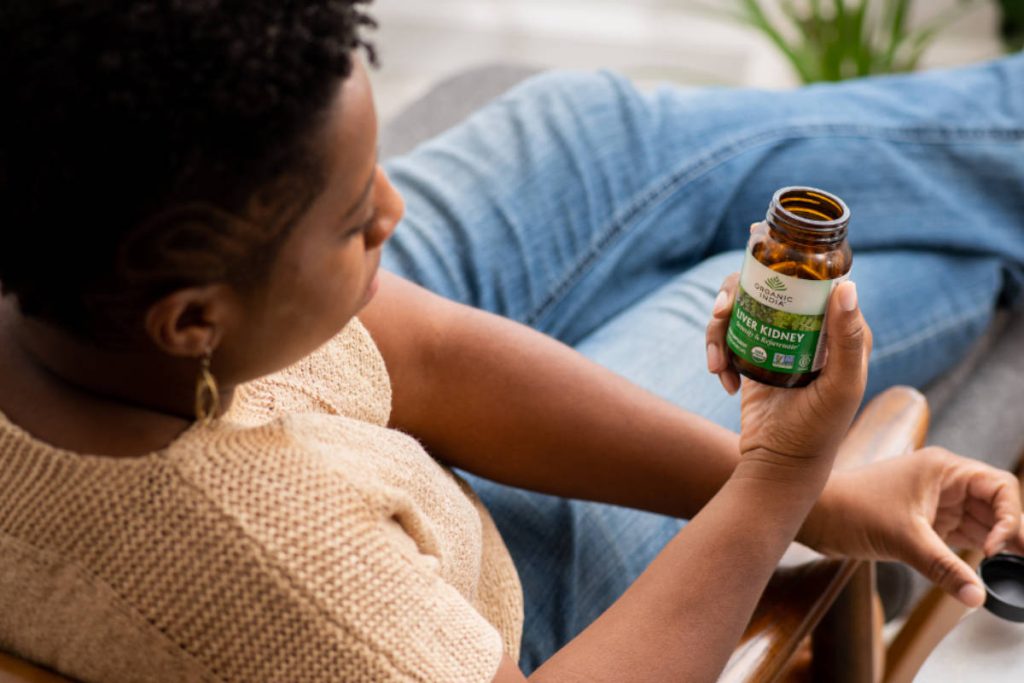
{"x": 849, "y": 339}
{"x": 969, "y": 533}
{"x": 979, "y": 505}
{"x": 1001, "y": 491}
{"x": 717, "y": 351}
{"x": 933, "y": 558}
{"x": 730, "y": 380}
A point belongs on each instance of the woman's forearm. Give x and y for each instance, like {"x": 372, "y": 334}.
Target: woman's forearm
{"x": 682, "y": 617}
{"x": 498, "y": 399}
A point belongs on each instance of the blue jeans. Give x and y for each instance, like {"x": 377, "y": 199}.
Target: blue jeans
{"x": 607, "y": 218}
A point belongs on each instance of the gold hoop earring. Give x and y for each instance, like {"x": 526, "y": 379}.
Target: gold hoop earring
{"x": 207, "y": 397}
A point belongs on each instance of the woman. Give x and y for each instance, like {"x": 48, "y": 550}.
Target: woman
{"x": 212, "y": 471}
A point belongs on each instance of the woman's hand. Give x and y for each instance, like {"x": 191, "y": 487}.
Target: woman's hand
{"x": 909, "y": 508}
{"x": 810, "y": 421}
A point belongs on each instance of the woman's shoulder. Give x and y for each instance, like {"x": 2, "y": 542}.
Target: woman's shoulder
{"x": 330, "y": 475}
{"x": 271, "y": 551}
{"x": 346, "y": 376}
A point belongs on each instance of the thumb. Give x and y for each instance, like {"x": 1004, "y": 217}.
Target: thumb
{"x": 933, "y": 558}
{"x": 849, "y": 338}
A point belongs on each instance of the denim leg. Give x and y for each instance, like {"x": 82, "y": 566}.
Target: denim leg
{"x": 925, "y": 309}
{"x": 574, "y": 195}
{"x": 574, "y": 559}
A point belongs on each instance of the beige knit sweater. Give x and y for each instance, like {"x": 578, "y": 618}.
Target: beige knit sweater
{"x": 298, "y": 539}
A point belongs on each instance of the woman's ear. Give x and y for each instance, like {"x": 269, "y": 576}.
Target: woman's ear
{"x": 191, "y": 322}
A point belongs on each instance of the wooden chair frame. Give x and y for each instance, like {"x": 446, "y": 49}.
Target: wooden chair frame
{"x": 821, "y": 619}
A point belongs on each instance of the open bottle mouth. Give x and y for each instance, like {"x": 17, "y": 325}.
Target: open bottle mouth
{"x": 809, "y": 214}
{"x": 1003, "y": 576}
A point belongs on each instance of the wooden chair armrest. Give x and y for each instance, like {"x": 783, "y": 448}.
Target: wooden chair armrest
{"x": 798, "y": 598}
{"x": 15, "y": 670}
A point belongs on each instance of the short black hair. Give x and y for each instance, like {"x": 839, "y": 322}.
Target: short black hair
{"x": 149, "y": 145}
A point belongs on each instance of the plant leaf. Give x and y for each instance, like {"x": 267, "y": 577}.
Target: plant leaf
{"x": 756, "y": 16}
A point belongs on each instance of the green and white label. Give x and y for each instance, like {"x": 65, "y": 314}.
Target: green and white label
{"x": 778, "y": 320}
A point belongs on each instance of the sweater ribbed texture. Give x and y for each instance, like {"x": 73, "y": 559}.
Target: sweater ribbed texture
{"x": 296, "y": 539}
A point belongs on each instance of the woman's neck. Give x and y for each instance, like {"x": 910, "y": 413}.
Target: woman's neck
{"x": 78, "y": 397}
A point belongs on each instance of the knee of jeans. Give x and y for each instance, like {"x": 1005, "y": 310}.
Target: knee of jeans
{"x": 577, "y": 85}
{"x": 590, "y": 105}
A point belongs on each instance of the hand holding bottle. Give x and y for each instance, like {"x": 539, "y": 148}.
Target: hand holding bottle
{"x": 910, "y": 508}
{"x": 803, "y": 422}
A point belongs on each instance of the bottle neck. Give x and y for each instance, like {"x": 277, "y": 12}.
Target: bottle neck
{"x": 808, "y": 216}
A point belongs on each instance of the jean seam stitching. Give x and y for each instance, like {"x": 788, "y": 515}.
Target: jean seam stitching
{"x": 730, "y": 150}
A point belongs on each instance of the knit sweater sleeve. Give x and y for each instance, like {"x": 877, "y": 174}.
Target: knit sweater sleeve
{"x": 351, "y": 585}
{"x": 383, "y": 615}
{"x": 408, "y": 623}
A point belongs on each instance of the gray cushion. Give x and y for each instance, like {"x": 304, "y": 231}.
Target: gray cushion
{"x": 446, "y": 104}
{"x": 978, "y": 408}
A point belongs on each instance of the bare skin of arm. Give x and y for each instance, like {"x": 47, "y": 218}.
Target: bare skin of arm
{"x": 498, "y": 399}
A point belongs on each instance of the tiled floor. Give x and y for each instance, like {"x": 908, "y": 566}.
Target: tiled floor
{"x": 650, "y": 40}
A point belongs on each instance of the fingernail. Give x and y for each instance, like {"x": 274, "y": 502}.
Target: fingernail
{"x": 848, "y": 297}
{"x": 728, "y": 383}
{"x": 714, "y": 357}
{"x": 999, "y": 548}
{"x": 971, "y": 595}
{"x": 721, "y": 303}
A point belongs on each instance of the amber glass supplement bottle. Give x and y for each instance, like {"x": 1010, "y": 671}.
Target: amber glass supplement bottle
{"x": 794, "y": 260}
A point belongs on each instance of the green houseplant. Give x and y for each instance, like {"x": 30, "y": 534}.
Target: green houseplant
{"x": 1013, "y": 24}
{"x": 829, "y": 40}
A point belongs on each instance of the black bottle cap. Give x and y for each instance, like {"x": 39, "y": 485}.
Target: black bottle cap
{"x": 1003, "y": 576}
